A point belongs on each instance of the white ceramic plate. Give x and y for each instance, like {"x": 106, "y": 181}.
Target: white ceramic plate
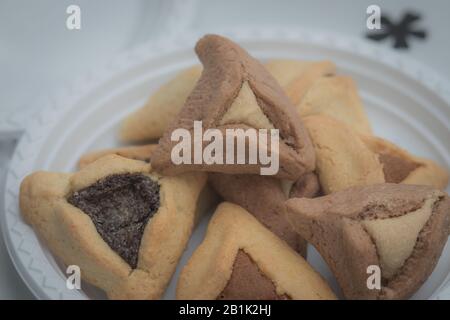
{"x": 406, "y": 103}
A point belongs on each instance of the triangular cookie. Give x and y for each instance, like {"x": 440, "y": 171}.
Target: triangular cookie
{"x": 235, "y": 91}
{"x": 240, "y": 259}
{"x": 122, "y": 224}
{"x": 397, "y": 229}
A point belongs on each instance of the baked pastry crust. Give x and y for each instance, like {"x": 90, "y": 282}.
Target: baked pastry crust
{"x": 400, "y": 228}
{"x": 72, "y": 236}
{"x": 342, "y": 158}
{"x": 150, "y": 121}
{"x": 229, "y": 72}
{"x": 232, "y": 229}
{"x": 142, "y": 153}
{"x": 420, "y": 171}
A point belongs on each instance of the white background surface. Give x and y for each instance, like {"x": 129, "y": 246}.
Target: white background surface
{"x": 38, "y": 55}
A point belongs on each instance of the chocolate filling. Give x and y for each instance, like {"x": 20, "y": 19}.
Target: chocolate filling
{"x": 248, "y": 283}
{"x": 396, "y": 169}
{"x": 120, "y": 206}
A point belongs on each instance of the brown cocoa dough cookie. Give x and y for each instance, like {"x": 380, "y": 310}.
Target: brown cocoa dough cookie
{"x": 264, "y": 197}
{"x": 241, "y": 259}
{"x": 399, "y": 228}
{"x": 142, "y": 153}
{"x": 399, "y": 166}
{"x": 235, "y": 91}
{"x": 343, "y": 160}
{"x": 150, "y": 121}
{"x": 122, "y": 224}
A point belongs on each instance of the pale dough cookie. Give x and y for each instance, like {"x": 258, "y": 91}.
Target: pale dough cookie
{"x": 150, "y": 121}
{"x": 400, "y": 166}
{"x": 336, "y": 97}
{"x": 296, "y": 77}
{"x": 241, "y": 259}
{"x": 314, "y": 88}
{"x": 142, "y": 153}
{"x": 397, "y": 229}
{"x": 122, "y": 224}
{"x": 342, "y": 158}
{"x": 236, "y": 92}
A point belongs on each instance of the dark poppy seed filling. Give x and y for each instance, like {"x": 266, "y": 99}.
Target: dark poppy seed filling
{"x": 120, "y": 206}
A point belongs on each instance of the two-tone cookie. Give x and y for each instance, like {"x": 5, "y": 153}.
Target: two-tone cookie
{"x": 236, "y": 92}
{"x": 380, "y": 241}
{"x": 241, "y": 259}
{"x": 124, "y": 225}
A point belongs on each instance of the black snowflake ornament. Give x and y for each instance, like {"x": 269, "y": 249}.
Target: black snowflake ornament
{"x": 401, "y": 32}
